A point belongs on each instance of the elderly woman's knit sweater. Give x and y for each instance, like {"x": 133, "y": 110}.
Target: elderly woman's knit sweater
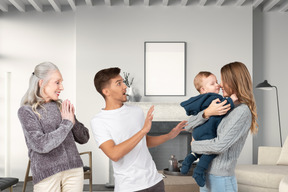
{"x": 51, "y": 140}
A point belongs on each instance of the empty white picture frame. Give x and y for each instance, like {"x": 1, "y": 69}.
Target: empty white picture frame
{"x": 165, "y": 66}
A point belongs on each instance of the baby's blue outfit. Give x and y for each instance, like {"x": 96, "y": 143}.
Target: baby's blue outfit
{"x": 206, "y": 131}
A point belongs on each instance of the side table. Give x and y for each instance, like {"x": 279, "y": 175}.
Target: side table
{"x": 180, "y": 183}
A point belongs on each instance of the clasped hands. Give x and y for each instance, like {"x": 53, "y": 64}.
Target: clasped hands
{"x": 67, "y": 111}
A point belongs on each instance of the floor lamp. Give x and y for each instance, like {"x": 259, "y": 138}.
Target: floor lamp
{"x": 266, "y": 86}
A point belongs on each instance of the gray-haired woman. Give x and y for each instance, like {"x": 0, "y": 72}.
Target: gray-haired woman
{"x": 51, "y": 129}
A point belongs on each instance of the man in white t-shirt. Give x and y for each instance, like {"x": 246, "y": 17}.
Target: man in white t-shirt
{"x": 120, "y": 131}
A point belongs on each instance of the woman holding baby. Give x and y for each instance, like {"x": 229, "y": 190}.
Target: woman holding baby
{"x": 232, "y": 131}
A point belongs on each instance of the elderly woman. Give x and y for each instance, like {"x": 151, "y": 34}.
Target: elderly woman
{"x": 51, "y": 129}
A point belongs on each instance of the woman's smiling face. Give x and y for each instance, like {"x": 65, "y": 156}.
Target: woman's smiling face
{"x": 53, "y": 87}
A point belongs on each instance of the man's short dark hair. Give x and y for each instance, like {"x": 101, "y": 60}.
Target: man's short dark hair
{"x": 103, "y": 77}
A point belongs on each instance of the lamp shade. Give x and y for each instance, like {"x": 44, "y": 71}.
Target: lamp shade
{"x": 264, "y": 85}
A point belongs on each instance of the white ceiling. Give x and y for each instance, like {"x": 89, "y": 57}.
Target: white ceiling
{"x": 280, "y": 6}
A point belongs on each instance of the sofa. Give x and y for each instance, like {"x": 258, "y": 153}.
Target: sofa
{"x": 270, "y": 174}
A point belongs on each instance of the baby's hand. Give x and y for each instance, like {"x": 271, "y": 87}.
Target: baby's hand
{"x": 234, "y": 97}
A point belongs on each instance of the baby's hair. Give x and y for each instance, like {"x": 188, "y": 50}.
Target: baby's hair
{"x": 199, "y": 79}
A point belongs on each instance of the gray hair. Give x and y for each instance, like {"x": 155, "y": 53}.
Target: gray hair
{"x": 34, "y": 94}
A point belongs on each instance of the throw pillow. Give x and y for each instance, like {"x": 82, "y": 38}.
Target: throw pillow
{"x": 283, "y": 159}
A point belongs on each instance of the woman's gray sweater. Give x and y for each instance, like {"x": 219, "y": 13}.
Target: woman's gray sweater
{"x": 51, "y": 140}
{"x": 231, "y": 136}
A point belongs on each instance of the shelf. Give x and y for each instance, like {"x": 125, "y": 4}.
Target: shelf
{"x": 163, "y": 111}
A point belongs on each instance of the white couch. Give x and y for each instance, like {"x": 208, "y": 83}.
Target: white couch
{"x": 269, "y": 175}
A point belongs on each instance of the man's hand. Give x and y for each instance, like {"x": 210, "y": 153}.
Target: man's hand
{"x": 178, "y": 129}
{"x": 148, "y": 121}
{"x": 153, "y": 141}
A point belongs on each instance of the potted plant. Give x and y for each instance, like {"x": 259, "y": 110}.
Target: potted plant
{"x": 132, "y": 95}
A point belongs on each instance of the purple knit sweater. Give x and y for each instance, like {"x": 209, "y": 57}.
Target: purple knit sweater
{"x": 51, "y": 140}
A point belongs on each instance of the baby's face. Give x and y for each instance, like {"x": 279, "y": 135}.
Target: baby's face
{"x": 210, "y": 85}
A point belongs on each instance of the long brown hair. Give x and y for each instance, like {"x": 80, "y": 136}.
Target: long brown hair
{"x": 236, "y": 76}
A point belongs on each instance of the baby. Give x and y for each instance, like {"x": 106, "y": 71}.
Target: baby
{"x": 206, "y": 84}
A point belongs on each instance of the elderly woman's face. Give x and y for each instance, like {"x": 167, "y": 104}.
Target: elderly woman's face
{"x": 54, "y": 86}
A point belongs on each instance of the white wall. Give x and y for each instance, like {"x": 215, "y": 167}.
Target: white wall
{"x": 98, "y": 37}
{"x": 27, "y": 39}
{"x": 270, "y": 63}
{"x": 115, "y": 36}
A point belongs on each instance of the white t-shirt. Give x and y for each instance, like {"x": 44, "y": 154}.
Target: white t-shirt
{"x": 136, "y": 170}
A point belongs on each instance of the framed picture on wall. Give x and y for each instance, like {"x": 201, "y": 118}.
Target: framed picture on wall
{"x": 165, "y": 66}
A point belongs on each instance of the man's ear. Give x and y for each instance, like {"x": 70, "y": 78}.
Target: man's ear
{"x": 40, "y": 82}
{"x": 106, "y": 92}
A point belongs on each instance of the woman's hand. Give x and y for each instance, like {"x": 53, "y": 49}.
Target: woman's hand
{"x": 234, "y": 97}
{"x": 216, "y": 108}
{"x": 176, "y": 130}
{"x": 67, "y": 111}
